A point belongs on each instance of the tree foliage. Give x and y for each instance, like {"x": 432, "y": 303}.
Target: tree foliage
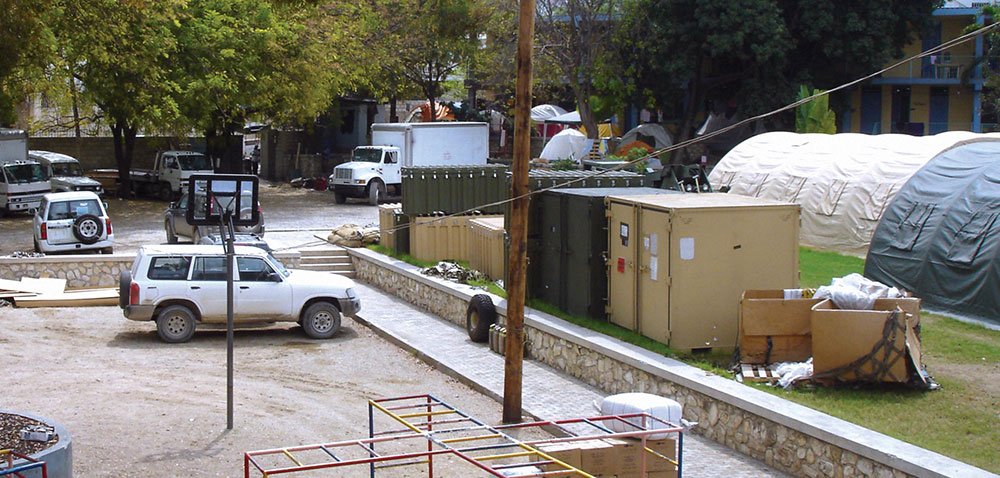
{"x": 814, "y": 116}
{"x": 26, "y": 48}
{"x": 678, "y": 55}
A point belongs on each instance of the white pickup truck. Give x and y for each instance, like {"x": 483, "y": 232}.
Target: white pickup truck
{"x": 65, "y": 172}
{"x": 180, "y": 286}
{"x": 170, "y": 173}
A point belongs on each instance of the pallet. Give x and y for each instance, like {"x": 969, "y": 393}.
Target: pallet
{"x": 759, "y": 373}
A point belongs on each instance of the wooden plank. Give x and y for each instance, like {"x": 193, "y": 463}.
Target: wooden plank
{"x": 759, "y": 373}
{"x": 95, "y": 298}
{"x": 37, "y": 286}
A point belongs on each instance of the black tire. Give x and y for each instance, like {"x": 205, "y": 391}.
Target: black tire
{"x": 164, "y": 192}
{"x": 339, "y": 198}
{"x": 171, "y": 235}
{"x": 480, "y": 315}
{"x": 108, "y": 250}
{"x": 87, "y": 228}
{"x": 124, "y": 284}
{"x": 196, "y": 236}
{"x": 175, "y": 324}
{"x": 321, "y": 320}
{"x": 376, "y": 191}
{"x": 35, "y": 241}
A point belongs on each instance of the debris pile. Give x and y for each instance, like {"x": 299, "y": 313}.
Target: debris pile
{"x": 24, "y": 254}
{"x": 353, "y": 235}
{"x": 454, "y": 272}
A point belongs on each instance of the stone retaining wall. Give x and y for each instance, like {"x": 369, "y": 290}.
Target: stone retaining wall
{"x": 92, "y": 270}
{"x": 784, "y": 435}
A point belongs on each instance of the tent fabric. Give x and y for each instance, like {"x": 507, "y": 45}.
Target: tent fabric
{"x": 940, "y": 238}
{"x": 566, "y": 118}
{"x": 843, "y": 182}
{"x": 541, "y": 113}
{"x": 661, "y": 138}
{"x": 568, "y": 144}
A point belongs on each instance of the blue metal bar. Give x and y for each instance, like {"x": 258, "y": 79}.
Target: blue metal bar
{"x": 328, "y": 452}
{"x": 20, "y": 468}
{"x": 371, "y": 434}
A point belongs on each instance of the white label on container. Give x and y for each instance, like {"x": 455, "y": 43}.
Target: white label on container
{"x": 687, "y": 248}
{"x": 645, "y": 242}
{"x": 653, "y": 268}
{"x": 653, "y": 247}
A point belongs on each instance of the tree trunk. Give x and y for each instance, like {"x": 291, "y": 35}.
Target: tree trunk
{"x": 393, "y": 116}
{"x": 586, "y": 114}
{"x": 433, "y": 108}
{"x": 695, "y": 96}
{"x": 122, "y": 160}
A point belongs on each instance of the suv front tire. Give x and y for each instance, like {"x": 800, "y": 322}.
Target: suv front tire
{"x": 321, "y": 320}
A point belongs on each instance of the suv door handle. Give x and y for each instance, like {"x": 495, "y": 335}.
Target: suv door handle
{"x": 195, "y": 287}
{"x": 244, "y": 287}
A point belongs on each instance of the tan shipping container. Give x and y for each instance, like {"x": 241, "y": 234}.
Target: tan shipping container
{"x": 441, "y": 238}
{"x": 387, "y": 214}
{"x": 486, "y": 246}
{"x": 678, "y": 264}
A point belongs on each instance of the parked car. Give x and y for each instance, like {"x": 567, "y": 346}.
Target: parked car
{"x": 72, "y": 221}
{"x": 65, "y": 172}
{"x": 175, "y": 223}
{"x": 251, "y": 240}
{"x": 179, "y": 286}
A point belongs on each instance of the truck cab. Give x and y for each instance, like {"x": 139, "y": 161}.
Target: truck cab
{"x": 170, "y": 173}
{"x": 369, "y": 174}
{"x": 22, "y": 182}
{"x": 65, "y": 172}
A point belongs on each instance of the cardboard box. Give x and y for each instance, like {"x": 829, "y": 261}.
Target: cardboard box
{"x": 651, "y": 474}
{"x": 599, "y": 457}
{"x": 839, "y": 337}
{"x": 631, "y": 456}
{"x": 568, "y": 453}
{"x": 767, "y": 314}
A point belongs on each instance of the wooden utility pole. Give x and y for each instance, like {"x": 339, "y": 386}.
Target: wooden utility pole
{"x": 514, "y": 353}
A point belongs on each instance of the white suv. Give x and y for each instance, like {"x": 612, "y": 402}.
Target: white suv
{"x": 180, "y": 286}
{"x": 72, "y": 221}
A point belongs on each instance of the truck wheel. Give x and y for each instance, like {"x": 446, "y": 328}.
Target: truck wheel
{"x": 196, "y": 236}
{"x": 124, "y": 283}
{"x": 175, "y": 324}
{"x": 339, "y": 198}
{"x": 480, "y": 315}
{"x": 87, "y": 228}
{"x": 171, "y": 235}
{"x": 164, "y": 192}
{"x": 321, "y": 320}
{"x": 376, "y": 191}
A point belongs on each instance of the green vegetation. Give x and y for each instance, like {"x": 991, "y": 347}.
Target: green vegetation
{"x": 399, "y": 255}
{"x": 817, "y": 268}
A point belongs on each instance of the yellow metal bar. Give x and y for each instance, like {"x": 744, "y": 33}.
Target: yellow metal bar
{"x": 480, "y": 437}
{"x": 658, "y": 455}
{"x": 426, "y": 414}
{"x": 290, "y": 457}
{"x": 396, "y": 417}
{"x": 564, "y": 465}
{"x": 505, "y": 455}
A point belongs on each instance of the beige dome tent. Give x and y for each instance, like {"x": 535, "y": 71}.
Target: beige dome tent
{"x": 843, "y": 182}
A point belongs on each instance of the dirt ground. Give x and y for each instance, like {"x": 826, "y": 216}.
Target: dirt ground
{"x": 139, "y": 221}
{"x": 137, "y": 407}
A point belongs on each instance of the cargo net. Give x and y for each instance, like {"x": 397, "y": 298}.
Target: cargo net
{"x": 876, "y": 366}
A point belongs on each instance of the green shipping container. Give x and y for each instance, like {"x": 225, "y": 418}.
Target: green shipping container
{"x": 453, "y": 189}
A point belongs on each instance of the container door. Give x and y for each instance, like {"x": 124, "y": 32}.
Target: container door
{"x": 653, "y": 285}
{"x": 547, "y": 259}
{"x": 622, "y": 233}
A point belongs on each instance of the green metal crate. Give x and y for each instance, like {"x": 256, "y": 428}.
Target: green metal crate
{"x": 453, "y": 189}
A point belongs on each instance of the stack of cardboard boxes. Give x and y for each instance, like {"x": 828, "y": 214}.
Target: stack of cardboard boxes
{"x": 621, "y": 458}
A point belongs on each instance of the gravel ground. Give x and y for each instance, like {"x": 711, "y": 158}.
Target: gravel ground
{"x": 10, "y": 435}
{"x": 137, "y": 407}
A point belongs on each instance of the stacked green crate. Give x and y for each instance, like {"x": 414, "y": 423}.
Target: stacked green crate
{"x": 453, "y": 189}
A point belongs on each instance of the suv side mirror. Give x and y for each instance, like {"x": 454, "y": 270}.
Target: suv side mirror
{"x": 274, "y": 277}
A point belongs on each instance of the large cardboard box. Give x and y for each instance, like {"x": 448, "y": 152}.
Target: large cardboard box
{"x": 568, "y": 453}
{"x": 631, "y": 455}
{"x": 599, "y": 457}
{"x": 840, "y": 337}
{"x": 765, "y": 315}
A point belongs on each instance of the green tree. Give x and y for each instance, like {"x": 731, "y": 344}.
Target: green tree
{"x": 814, "y": 116}
{"x": 26, "y": 48}
{"x": 574, "y": 38}
{"x": 121, "y": 53}
{"x": 238, "y": 59}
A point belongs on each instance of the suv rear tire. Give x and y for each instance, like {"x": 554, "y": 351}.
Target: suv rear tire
{"x": 87, "y": 228}
{"x": 321, "y": 320}
{"x": 175, "y": 324}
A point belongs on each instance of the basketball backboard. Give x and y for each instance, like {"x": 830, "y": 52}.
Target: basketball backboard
{"x": 212, "y": 196}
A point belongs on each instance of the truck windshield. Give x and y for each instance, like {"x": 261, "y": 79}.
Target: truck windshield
{"x": 367, "y": 155}
{"x": 67, "y": 169}
{"x": 194, "y": 162}
{"x": 24, "y": 173}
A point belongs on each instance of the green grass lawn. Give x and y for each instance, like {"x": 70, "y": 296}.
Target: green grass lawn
{"x": 961, "y": 420}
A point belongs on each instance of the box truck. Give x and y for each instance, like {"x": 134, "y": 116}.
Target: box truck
{"x": 22, "y": 182}
{"x": 374, "y": 170}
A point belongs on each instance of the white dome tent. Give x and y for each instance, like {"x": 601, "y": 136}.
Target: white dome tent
{"x": 843, "y": 182}
{"x": 568, "y": 144}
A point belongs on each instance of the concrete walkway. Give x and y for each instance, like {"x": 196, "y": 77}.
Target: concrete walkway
{"x": 546, "y": 393}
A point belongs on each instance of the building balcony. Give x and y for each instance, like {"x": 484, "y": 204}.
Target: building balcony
{"x": 937, "y": 69}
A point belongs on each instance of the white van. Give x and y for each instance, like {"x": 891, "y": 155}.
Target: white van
{"x": 65, "y": 172}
